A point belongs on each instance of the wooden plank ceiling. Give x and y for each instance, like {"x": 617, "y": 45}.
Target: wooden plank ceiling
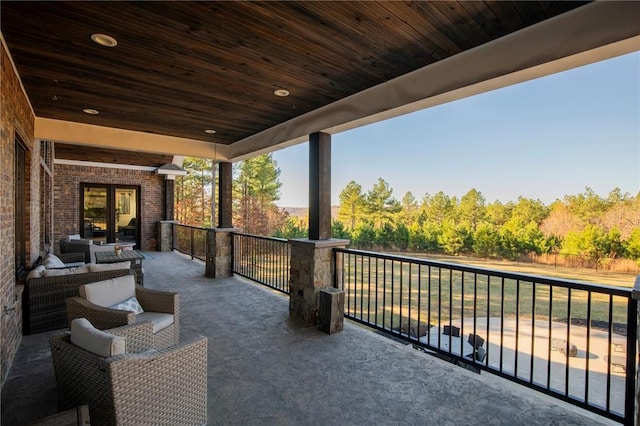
{"x": 182, "y": 67}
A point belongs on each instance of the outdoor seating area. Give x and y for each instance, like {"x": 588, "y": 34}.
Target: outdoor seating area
{"x": 264, "y": 367}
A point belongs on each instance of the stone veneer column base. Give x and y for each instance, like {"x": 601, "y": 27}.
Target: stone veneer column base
{"x": 219, "y": 252}
{"x": 165, "y": 235}
{"x": 311, "y": 270}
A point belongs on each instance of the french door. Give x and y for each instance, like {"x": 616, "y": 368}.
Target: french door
{"x": 109, "y": 213}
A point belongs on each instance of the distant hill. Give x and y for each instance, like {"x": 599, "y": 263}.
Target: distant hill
{"x": 303, "y": 212}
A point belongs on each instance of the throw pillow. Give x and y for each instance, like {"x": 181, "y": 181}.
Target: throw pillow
{"x": 131, "y": 304}
{"x": 100, "y": 267}
{"x": 86, "y": 336}
{"x": 52, "y": 261}
{"x": 36, "y": 272}
{"x": 73, "y": 237}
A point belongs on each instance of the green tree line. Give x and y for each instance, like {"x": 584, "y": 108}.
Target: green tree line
{"x": 584, "y": 224}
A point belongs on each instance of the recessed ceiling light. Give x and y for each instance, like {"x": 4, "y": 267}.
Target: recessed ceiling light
{"x": 281, "y": 92}
{"x": 104, "y": 40}
{"x": 210, "y": 131}
{"x": 90, "y": 111}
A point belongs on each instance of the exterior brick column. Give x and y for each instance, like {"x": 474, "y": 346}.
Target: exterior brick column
{"x": 219, "y": 256}
{"x": 312, "y": 266}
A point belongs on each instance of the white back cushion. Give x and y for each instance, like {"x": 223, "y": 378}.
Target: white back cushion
{"x": 109, "y": 292}
{"x": 89, "y": 338}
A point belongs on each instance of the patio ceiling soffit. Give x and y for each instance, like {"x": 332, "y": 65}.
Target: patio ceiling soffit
{"x": 594, "y": 32}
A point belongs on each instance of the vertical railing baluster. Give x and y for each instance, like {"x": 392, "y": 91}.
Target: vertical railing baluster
{"x": 488, "y": 338}
{"x": 630, "y": 370}
{"x": 450, "y": 305}
{"x": 550, "y": 336}
{"x": 419, "y": 302}
{"x": 369, "y": 289}
{"x": 566, "y": 344}
{"x": 429, "y": 305}
{"x": 475, "y": 313}
{"x": 439, "y": 304}
{"x": 192, "y": 242}
{"x": 393, "y": 287}
{"x": 609, "y": 342}
{"x": 533, "y": 330}
{"x": 399, "y": 297}
{"x": 586, "y": 371}
{"x": 409, "y": 304}
{"x": 362, "y": 287}
{"x": 461, "y": 311}
{"x": 384, "y": 293}
{"x": 515, "y": 364}
{"x": 377, "y": 297}
{"x": 502, "y": 326}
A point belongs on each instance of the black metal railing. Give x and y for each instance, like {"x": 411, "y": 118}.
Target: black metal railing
{"x": 190, "y": 240}
{"x": 572, "y": 340}
{"x": 262, "y": 259}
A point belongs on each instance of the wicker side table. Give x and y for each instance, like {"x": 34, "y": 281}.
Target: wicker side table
{"x": 134, "y": 256}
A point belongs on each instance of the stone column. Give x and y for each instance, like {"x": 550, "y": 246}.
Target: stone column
{"x": 165, "y": 235}
{"x": 219, "y": 256}
{"x": 312, "y": 266}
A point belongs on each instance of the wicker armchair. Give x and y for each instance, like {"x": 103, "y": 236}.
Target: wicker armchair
{"x": 151, "y": 301}
{"x": 141, "y": 387}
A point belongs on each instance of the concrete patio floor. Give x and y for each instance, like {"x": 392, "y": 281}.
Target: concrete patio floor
{"x": 268, "y": 369}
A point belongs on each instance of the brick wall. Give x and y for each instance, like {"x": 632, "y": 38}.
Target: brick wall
{"x": 67, "y": 180}
{"x": 16, "y": 119}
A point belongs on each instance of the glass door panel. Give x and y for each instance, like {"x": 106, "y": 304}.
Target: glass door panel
{"x": 126, "y": 215}
{"x": 95, "y": 213}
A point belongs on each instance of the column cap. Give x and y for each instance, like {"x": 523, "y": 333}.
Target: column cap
{"x": 332, "y": 242}
{"x": 221, "y": 230}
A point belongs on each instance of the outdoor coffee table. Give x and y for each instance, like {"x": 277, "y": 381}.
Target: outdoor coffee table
{"x": 133, "y": 256}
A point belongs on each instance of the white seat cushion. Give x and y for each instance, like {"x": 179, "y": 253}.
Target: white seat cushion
{"x": 101, "y": 343}
{"x": 100, "y": 267}
{"x": 109, "y": 292}
{"x": 160, "y": 321}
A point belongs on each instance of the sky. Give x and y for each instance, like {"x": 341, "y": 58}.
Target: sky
{"x": 542, "y": 139}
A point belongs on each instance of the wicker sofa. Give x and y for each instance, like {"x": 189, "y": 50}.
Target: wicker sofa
{"x": 139, "y": 387}
{"x": 44, "y": 300}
